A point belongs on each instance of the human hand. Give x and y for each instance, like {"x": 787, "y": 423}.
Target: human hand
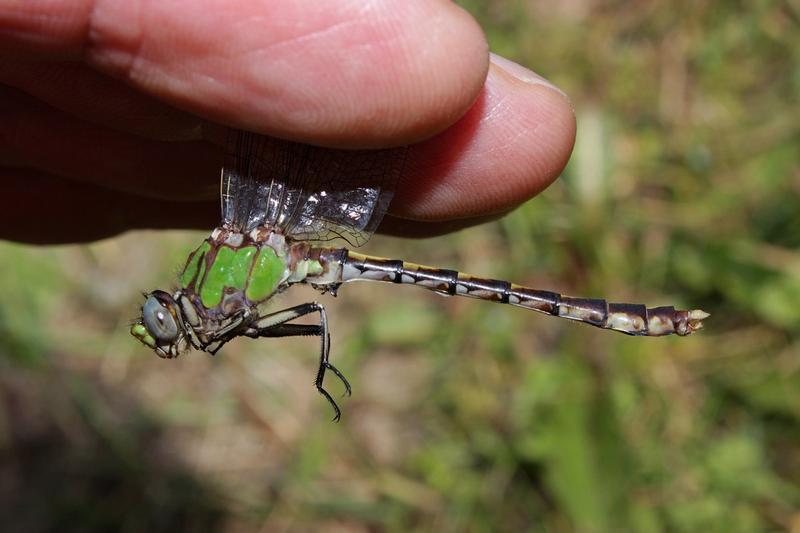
{"x": 110, "y": 109}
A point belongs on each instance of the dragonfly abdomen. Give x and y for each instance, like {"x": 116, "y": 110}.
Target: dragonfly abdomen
{"x": 632, "y": 319}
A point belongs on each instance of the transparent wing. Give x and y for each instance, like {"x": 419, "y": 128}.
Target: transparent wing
{"x": 309, "y": 192}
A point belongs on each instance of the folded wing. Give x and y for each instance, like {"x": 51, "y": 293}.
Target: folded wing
{"x": 309, "y": 192}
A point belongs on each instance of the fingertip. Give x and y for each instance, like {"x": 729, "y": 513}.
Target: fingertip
{"x": 514, "y": 142}
{"x": 552, "y": 122}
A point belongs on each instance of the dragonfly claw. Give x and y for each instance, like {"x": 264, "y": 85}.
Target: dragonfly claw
{"x": 337, "y": 412}
{"x": 348, "y": 391}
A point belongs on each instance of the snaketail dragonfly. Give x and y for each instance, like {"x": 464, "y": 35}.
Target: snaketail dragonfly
{"x": 281, "y": 202}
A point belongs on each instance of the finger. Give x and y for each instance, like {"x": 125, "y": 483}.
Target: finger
{"x": 45, "y": 209}
{"x": 36, "y": 136}
{"x": 344, "y": 73}
{"x": 513, "y": 142}
{"x": 401, "y": 227}
{"x": 94, "y": 97}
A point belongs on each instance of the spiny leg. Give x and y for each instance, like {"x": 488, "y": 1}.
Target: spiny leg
{"x": 297, "y": 330}
{"x": 226, "y": 332}
{"x": 275, "y": 325}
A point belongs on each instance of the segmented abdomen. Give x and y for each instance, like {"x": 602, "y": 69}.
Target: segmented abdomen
{"x": 632, "y": 319}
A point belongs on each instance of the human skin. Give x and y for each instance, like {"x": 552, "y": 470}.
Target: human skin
{"x": 111, "y": 111}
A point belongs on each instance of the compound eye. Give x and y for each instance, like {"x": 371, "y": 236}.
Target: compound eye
{"x": 159, "y": 321}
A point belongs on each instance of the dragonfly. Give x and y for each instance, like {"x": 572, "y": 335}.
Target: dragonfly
{"x": 283, "y": 203}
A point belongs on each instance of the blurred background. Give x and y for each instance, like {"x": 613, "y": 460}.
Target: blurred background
{"x": 683, "y": 189}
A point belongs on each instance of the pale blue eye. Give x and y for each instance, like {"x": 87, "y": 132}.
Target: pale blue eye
{"x": 159, "y": 321}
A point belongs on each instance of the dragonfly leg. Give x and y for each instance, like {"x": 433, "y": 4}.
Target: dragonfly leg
{"x": 227, "y": 332}
{"x": 275, "y": 325}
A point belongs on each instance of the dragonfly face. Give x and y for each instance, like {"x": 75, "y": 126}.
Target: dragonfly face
{"x": 160, "y": 325}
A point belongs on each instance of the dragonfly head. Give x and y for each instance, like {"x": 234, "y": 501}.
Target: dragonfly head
{"x": 160, "y": 326}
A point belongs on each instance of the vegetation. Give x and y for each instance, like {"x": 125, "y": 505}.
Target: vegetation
{"x": 683, "y": 189}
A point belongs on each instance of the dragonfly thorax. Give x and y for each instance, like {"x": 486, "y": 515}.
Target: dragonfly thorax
{"x": 232, "y": 271}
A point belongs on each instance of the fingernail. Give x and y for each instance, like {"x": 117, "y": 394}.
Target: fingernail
{"x": 522, "y": 73}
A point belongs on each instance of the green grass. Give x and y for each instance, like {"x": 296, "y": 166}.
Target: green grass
{"x": 468, "y": 416}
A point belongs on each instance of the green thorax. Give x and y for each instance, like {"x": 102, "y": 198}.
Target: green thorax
{"x": 232, "y": 270}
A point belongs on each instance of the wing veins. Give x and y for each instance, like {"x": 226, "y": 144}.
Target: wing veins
{"x": 308, "y": 192}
